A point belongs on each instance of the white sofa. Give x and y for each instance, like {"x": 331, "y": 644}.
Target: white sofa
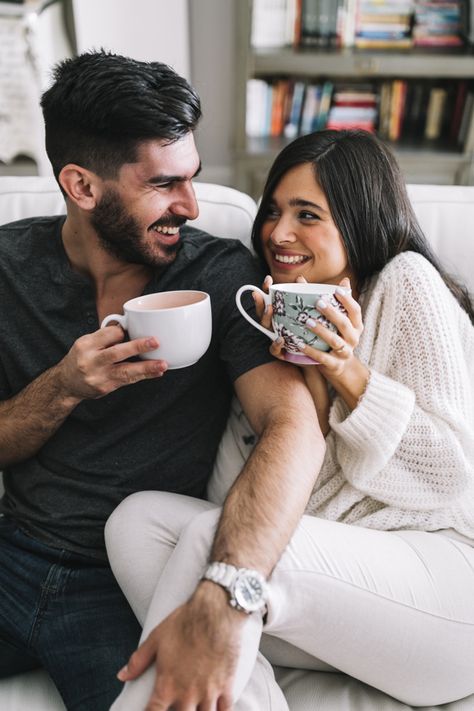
{"x": 447, "y": 215}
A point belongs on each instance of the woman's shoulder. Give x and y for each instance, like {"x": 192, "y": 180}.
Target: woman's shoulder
{"x": 415, "y": 290}
{"x": 410, "y": 277}
{"x": 411, "y": 267}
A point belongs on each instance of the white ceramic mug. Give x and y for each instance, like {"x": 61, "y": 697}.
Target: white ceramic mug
{"x": 293, "y": 304}
{"x": 181, "y": 322}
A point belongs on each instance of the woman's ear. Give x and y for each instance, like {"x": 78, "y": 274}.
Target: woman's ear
{"x": 80, "y": 185}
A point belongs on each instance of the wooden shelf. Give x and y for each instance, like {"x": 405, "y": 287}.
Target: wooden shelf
{"x": 420, "y": 161}
{"x": 359, "y": 64}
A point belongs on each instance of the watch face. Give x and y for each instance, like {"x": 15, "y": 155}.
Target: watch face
{"x": 249, "y": 592}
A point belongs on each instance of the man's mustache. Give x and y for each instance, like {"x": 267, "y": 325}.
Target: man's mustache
{"x": 172, "y": 221}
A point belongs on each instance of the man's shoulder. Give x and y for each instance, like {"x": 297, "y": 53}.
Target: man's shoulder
{"x": 13, "y": 234}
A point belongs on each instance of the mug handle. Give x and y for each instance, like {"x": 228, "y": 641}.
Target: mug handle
{"x": 250, "y": 287}
{"x": 121, "y": 318}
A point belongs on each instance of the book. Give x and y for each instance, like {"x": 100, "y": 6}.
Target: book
{"x": 385, "y": 100}
{"x": 370, "y": 43}
{"x": 310, "y": 108}
{"x": 257, "y": 90}
{"x": 466, "y": 119}
{"x": 434, "y": 113}
{"x": 280, "y": 90}
{"x": 309, "y": 23}
{"x": 347, "y": 22}
{"x": 469, "y": 135}
{"x": 397, "y": 108}
{"x": 292, "y": 127}
{"x": 269, "y": 24}
{"x": 324, "y": 106}
{"x": 414, "y": 119}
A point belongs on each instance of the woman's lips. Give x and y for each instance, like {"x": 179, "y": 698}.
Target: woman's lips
{"x": 288, "y": 261}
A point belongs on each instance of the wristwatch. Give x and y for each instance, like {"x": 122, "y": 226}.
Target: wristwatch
{"x": 247, "y": 588}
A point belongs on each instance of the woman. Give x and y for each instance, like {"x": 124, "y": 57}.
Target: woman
{"x": 378, "y": 578}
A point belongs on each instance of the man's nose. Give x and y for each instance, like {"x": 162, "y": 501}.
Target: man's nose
{"x": 186, "y": 204}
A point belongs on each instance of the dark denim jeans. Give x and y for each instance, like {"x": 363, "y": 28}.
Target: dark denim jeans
{"x": 66, "y": 613}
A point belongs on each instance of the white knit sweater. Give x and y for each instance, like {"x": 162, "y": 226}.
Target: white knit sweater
{"x": 404, "y": 457}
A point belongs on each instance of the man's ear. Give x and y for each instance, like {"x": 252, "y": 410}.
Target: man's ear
{"x": 82, "y": 186}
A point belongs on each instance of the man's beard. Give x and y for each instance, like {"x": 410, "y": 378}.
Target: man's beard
{"x": 120, "y": 235}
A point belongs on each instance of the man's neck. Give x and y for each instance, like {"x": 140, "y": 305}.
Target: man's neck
{"x": 115, "y": 281}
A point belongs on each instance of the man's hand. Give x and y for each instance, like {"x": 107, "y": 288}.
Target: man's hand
{"x": 195, "y": 650}
{"x": 96, "y": 364}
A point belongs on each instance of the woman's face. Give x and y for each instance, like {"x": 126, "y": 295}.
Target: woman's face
{"x": 299, "y": 236}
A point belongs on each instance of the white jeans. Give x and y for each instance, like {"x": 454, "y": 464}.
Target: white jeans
{"x": 392, "y": 609}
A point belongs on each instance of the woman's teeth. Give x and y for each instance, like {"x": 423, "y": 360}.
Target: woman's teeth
{"x": 166, "y": 230}
{"x": 290, "y": 260}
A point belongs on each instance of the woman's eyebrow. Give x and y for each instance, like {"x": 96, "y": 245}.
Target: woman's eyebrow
{"x": 300, "y": 202}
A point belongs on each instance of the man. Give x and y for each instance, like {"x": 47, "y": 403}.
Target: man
{"x": 83, "y": 421}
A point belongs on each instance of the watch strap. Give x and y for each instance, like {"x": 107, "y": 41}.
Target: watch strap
{"x": 221, "y": 573}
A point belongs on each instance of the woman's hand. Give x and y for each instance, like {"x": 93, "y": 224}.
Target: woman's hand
{"x": 315, "y": 382}
{"x": 349, "y": 329}
{"x": 264, "y": 311}
{"x": 339, "y": 365}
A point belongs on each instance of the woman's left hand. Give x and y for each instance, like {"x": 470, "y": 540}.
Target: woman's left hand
{"x": 343, "y": 342}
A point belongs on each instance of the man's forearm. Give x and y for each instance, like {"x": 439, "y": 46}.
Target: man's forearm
{"x": 268, "y": 499}
{"x": 32, "y": 416}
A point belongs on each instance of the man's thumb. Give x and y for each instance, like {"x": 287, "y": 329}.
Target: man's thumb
{"x": 138, "y": 662}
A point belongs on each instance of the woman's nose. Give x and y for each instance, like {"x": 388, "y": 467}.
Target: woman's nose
{"x": 282, "y": 232}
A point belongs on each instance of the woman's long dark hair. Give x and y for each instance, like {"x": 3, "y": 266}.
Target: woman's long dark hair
{"x": 367, "y": 198}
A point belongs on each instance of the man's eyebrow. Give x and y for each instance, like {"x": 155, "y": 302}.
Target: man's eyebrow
{"x": 163, "y": 178}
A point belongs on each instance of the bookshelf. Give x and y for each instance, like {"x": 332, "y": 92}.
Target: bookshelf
{"x": 422, "y": 161}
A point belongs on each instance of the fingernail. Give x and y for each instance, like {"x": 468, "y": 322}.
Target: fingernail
{"x": 311, "y": 322}
{"x": 343, "y": 291}
{"x": 280, "y": 341}
{"x": 122, "y": 674}
{"x": 152, "y": 343}
{"x": 321, "y": 304}
{"x": 254, "y": 296}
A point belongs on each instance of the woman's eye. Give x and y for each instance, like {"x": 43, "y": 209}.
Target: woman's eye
{"x": 271, "y": 214}
{"x": 304, "y": 215}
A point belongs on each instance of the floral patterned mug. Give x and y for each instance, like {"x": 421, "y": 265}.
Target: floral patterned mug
{"x": 293, "y": 304}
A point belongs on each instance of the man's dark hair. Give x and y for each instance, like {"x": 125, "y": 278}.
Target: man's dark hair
{"x": 101, "y": 106}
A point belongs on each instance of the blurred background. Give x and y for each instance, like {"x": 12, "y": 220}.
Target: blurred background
{"x": 267, "y": 71}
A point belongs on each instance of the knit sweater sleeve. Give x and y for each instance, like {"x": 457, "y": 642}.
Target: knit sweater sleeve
{"x": 410, "y": 441}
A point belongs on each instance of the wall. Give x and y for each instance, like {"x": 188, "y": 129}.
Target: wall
{"x": 144, "y": 29}
{"x": 212, "y": 72}
{"x": 196, "y": 37}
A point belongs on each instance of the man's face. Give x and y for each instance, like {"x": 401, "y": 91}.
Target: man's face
{"x": 139, "y": 215}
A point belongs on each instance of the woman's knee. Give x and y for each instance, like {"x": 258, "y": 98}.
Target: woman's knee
{"x": 198, "y": 535}
{"x": 128, "y": 514}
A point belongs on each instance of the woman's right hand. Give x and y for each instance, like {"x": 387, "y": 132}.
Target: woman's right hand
{"x": 315, "y": 382}
{"x": 264, "y": 315}
{"x": 264, "y": 311}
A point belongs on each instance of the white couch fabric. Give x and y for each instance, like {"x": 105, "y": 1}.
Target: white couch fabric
{"x": 446, "y": 213}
